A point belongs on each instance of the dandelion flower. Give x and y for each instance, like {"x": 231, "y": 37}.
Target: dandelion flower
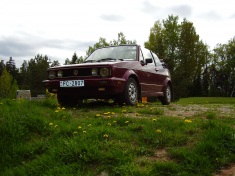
{"x": 158, "y": 131}
{"x": 51, "y": 124}
{"x": 114, "y": 121}
{"x": 154, "y": 120}
{"x": 106, "y": 136}
{"x": 126, "y": 121}
{"x": 113, "y": 113}
{"x": 123, "y": 111}
{"x": 106, "y": 113}
{"x": 89, "y": 125}
{"x": 97, "y": 115}
{"x": 75, "y": 132}
{"x": 109, "y": 124}
{"x": 79, "y": 127}
{"x": 63, "y": 108}
{"x": 187, "y": 121}
{"x": 56, "y": 110}
{"x": 84, "y": 132}
{"x": 56, "y": 126}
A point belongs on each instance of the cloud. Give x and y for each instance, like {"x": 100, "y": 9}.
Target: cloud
{"x": 149, "y": 8}
{"x": 184, "y": 11}
{"x": 113, "y": 18}
{"x": 25, "y": 46}
{"x": 232, "y": 16}
{"x": 211, "y": 15}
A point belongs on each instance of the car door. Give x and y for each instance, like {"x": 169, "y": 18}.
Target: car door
{"x": 152, "y": 74}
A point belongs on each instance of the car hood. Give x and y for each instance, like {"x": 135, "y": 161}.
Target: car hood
{"x": 115, "y": 63}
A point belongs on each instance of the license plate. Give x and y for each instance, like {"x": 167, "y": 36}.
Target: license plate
{"x": 72, "y": 83}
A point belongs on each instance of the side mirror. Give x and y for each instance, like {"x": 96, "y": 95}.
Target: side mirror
{"x": 148, "y": 61}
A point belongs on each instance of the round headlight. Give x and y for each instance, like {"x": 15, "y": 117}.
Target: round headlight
{"x": 94, "y": 71}
{"x": 60, "y": 73}
{"x": 104, "y": 72}
{"x": 51, "y": 75}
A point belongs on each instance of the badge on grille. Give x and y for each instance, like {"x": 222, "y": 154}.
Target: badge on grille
{"x": 75, "y": 72}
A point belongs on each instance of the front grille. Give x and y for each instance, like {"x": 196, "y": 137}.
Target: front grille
{"x": 77, "y": 72}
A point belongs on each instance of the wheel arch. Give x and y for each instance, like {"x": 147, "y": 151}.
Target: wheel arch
{"x": 168, "y": 82}
{"x": 131, "y": 74}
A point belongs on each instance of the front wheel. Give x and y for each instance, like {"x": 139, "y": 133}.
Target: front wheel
{"x": 131, "y": 92}
{"x": 166, "y": 99}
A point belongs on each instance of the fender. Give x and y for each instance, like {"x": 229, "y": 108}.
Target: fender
{"x": 128, "y": 73}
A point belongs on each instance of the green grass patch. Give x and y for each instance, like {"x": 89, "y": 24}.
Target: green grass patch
{"x": 40, "y": 138}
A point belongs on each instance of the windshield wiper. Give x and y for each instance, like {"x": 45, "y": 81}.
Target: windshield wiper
{"x": 88, "y": 61}
{"x": 106, "y": 59}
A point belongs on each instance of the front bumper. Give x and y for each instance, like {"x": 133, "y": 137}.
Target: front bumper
{"x": 93, "y": 88}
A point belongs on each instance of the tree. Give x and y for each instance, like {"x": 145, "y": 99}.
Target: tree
{"x": 74, "y": 59}
{"x": 102, "y": 43}
{"x": 32, "y": 73}
{"x": 8, "y": 85}
{"x": 180, "y": 47}
{"x": 55, "y": 63}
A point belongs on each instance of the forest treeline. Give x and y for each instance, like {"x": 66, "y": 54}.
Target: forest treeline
{"x": 195, "y": 69}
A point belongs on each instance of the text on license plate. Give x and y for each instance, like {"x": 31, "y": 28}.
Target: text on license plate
{"x": 72, "y": 83}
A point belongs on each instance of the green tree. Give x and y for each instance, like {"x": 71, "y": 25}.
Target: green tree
{"x": 179, "y": 46}
{"x": 74, "y": 59}
{"x": 8, "y": 85}
{"x": 55, "y": 63}
{"x": 102, "y": 43}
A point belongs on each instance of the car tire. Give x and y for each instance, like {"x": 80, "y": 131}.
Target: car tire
{"x": 131, "y": 92}
{"x": 166, "y": 99}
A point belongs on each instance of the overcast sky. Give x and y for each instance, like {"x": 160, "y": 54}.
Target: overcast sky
{"x": 58, "y": 28}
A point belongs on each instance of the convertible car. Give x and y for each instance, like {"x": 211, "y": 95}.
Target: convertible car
{"x": 125, "y": 73}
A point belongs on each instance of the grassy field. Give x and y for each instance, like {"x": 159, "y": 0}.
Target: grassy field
{"x": 194, "y": 136}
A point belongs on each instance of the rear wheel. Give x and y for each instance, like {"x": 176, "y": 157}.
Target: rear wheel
{"x": 130, "y": 95}
{"x": 166, "y": 99}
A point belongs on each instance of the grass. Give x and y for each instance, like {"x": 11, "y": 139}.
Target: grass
{"x": 41, "y": 138}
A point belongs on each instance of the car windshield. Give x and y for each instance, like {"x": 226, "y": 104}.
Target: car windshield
{"x": 113, "y": 53}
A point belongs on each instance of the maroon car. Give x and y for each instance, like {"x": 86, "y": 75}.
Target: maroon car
{"x": 125, "y": 73}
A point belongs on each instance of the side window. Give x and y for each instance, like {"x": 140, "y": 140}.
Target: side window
{"x": 157, "y": 60}
{"x": 141, "y": 55}
{"x": 147, "y": 55}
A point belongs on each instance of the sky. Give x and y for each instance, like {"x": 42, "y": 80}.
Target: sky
{"x": 59, "y": 28}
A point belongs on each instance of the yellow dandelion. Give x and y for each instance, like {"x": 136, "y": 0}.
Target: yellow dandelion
{"x": 97, "y": 115}
{"x": 75, "y": 132}
{"x": 51, "y": 124}
{"x": 114, "y": 121}
{"x": 84, "y": 132}
{"x": 56, "y": 110}
{"x": 56, "y": 126}
{"x": 158, "y": 131}
{"x": 113, "y": 113}
{"x": 89, "y": 125}
{"x": 126, "y": 121}
{"x": 124, "y": 111}
{"x": 187, "y": 121}
{"x": 154, "y": 120}
{"x": 63, "y": 108}
{"x": 79, "y": 127}
{"x": 109, "y": 124}
{"x": 106, "y": 113}
{"x": 106, "y": 136}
